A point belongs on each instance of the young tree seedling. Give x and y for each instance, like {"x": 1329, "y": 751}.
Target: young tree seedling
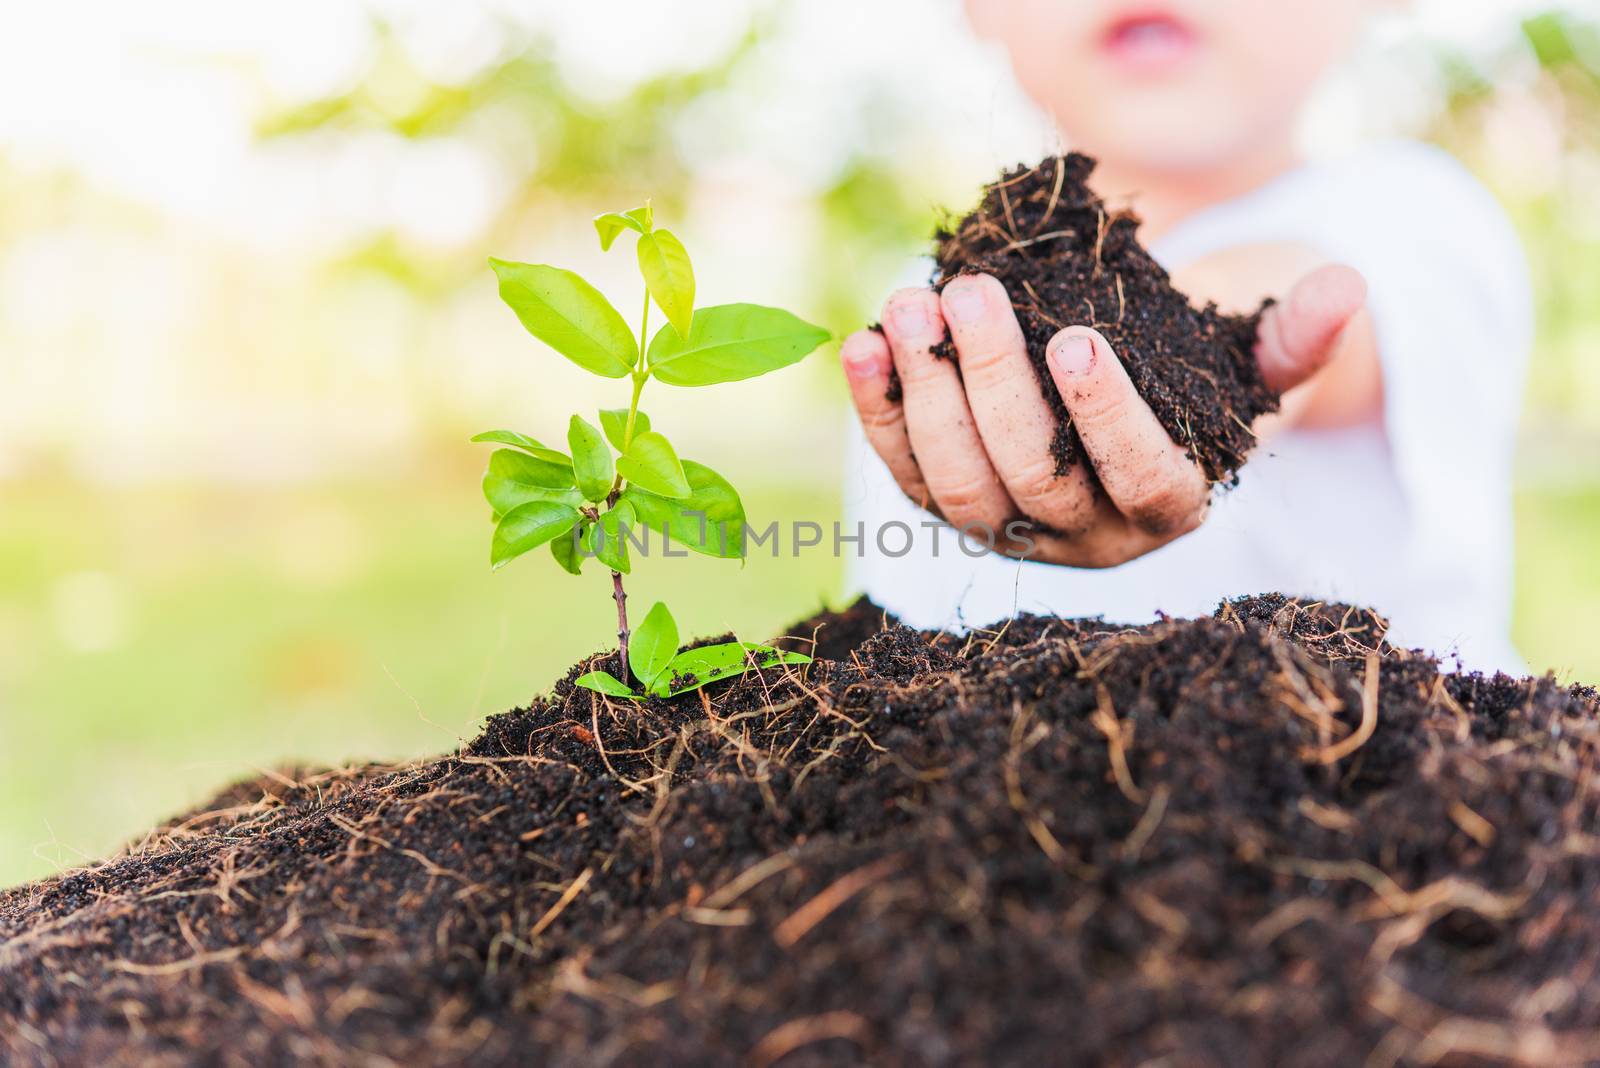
{"x": 589, "y": 503}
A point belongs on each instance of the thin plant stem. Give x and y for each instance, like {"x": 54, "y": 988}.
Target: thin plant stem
{"x": 618, "y": 594}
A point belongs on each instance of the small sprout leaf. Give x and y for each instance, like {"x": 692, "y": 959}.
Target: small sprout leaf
{"x": 566, "y": 549}
{"x": 653, "y": 645}
{"x": 668, "y": 274}
{"x": 608, "y": 226}
{"x": 653, "y": 463}
{"x": 694, "y": 668}
{"x": 614, "y": 421}
{"x": 710, "y": 520}
{"x": 607, "y": 540}
{"x": 591, "y": 460}
{"x": 570, "y": 315}
{"x": 606, "y": 683}
{"x": 509, "y": 437}
{"x": 731, "y": 342}
{"x": 515, "y": 478}
{"x": 529, "y": 526}
{"x": 612, "y": 223}
{"x": 644, "y": 215}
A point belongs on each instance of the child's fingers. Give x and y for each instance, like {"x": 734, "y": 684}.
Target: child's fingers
{"x": 867, "y": 363}
{"x": 1015, "y": 423}
{"x": 1110, "y": 542}
{"x": 1301, "y": 333}
{"x": 939, "y": 425}
{"x": 1146, "y": 474}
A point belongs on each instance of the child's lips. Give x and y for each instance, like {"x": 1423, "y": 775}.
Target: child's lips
{"x": 1149, "y": 43}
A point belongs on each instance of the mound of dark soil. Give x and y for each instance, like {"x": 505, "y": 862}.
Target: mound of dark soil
{"x": 1265, "y": 838}
{"x": 1067, "y": 259}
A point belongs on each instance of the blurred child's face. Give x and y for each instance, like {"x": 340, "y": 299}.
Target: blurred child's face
{"x": 1172, "y": 84}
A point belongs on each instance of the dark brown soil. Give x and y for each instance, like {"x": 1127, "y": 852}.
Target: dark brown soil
{"x": 1266, "y": 838}
{"x": 1068, "y": 259}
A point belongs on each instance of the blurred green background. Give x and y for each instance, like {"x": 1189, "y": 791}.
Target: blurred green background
{"x": 245, "y": 331}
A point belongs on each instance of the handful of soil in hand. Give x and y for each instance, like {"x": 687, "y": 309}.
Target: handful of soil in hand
{"x": 1068, "y": 260}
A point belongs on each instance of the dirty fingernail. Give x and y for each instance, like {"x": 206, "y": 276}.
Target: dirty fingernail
{"x": 910, "y": 317}
{"x": 1073, "y": 355}
{"x": 966, "y": 302}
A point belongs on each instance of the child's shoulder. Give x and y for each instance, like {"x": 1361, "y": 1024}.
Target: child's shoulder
{"x": 1439, "y": 252}
{"x": 1409, "y": 188}
{"x": 1407, "y": 176}
{"x": 1399, "y": 205}
{"x": 1381, "y": 201}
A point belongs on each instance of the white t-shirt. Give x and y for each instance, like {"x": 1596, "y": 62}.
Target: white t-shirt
{"x": 1412, "y": 518}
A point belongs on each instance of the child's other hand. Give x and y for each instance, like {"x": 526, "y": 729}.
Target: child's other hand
{"x": 974, "y": 447}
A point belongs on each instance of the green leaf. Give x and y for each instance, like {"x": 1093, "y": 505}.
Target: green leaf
{"x": 515, "y": 478}
{"x": 669, "y": 276}
{"x": 591, "y": 460}
{"x": 566, "y": 548}
{"x": 644, "y": 215}
{"x": 710, "y": 663}
{"x": 607, "y": 540}
{"x": 608, "y": 226}
{"x": 653, "y": 464}
{"x": 653, "y": 644}
{"x": 614, "y": 421}
{"x": 731, "y": 342}
{"x": 612, "y": 223}
{"x": 529, "y": 526}
{"x": 510, "y": 437}
{"x": 550, "y": 456}
{"x": 710, "y": 520}
{"x": 568, "y": 314}
{"x": 606, "y": 683}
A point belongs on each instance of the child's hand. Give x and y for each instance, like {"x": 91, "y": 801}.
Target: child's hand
{"x": 974, "y": 447}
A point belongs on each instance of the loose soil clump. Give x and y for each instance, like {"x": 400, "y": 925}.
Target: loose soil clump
{"x": 1068, "y": 259}
{"x": 1262, "y": 838}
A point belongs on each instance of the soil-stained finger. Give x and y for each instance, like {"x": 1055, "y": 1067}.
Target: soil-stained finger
{"x": 1300, "y": 334}
{"x": 867, "y": 368}
{"x": 1110, "y": 540}
{"x": 960, "y": 478}
{"x": 1148, "y": 476}
{"x": 1008, "y": 406}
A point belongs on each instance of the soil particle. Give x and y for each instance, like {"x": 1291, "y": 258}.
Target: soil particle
{"x": 1263, "y": 838}
{"x": 895, "y": 392}
{"x": 1069, "y": 259}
